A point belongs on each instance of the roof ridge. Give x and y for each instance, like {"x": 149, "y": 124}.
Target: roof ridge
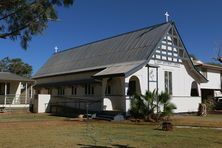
{"x": 153, "y": 27}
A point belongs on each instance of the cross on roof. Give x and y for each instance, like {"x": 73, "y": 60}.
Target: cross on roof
{"x": 167, "y": 16}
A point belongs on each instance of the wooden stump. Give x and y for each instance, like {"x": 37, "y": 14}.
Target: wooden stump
{"x": 167, "y": 126}
{"x": 202, "y": 110}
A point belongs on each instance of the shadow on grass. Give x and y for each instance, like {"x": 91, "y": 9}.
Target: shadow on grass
{"x": 113, "y": 145}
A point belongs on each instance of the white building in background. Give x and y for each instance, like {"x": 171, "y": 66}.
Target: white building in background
{"x": 213, "y": 74}
{"x": 103, "y": 75}
{"x": 15, "y": 91}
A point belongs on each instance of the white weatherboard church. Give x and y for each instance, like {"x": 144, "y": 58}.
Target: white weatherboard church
{"x": 103, "y": 75}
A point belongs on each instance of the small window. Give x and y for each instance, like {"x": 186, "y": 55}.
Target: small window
{"x": 108, "y": 90}
{"x": 61, "y": 91}
{"x": 89, "y": 89}
{"x": 168, "y": 82}
{"x": 74, "y": 90}
{"x": 175, "y": 41}
{"x": 181, "y": 53}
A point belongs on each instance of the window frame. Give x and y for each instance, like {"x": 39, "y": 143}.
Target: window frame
{"x": 61, "y": 91}
{"x": 74, "y": 90}
{"x": 168, "y": 82}
{"x": 89, "y": 89}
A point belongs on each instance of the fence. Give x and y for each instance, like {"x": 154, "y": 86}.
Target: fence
{"x": 76, "y": 103}
{"x": 13, "y": 99}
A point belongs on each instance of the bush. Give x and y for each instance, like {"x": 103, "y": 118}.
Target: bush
{"x": 144, "y": 106}
{"x": 210, "y": 103}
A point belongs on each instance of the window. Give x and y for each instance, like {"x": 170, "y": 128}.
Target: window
{"x": 204, "y": 72}
{"x": 168, "y": 82}
{"x": 89, "y": 89}
{"x": 194, "y": 89}
{"x": 132, "y": 88}
{"x": 49, "y": 91}
{"x": 108, "y": 89}
{"x": 61, "y": 91}
{"x": 74, "y": 90}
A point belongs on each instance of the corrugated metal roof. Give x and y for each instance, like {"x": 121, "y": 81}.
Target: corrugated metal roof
{"x": 7, "y": 76}
{"x": 127, "y": 47}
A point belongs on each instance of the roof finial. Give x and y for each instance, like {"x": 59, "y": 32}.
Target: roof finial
{"x": 167, "y": 16}
{"x": 56, "y": 49}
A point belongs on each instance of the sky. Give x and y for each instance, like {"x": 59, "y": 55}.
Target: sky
{"x": 199, "y": 23}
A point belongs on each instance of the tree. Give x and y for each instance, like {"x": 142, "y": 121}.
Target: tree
{"x": 16, "y": 66}
{"x": 26, "y": 18}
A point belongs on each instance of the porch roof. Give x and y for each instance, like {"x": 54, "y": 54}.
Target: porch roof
{"x": 7, "y": 76}
{"x": 123, "y": 69}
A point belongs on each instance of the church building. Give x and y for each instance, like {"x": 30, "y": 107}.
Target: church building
{"x": 105, "y": 74}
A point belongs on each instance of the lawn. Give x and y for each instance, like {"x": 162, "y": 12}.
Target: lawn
{"x": 42, "y": 130}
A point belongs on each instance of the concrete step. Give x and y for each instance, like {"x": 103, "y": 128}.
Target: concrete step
{"x": 110, "y": 115}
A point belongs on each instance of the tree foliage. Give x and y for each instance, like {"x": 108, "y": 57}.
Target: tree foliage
{"x": 16, "y": 66}
{"x": 25, "y": 18}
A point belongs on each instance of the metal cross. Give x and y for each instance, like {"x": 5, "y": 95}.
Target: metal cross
{"x": 167, "y": 16}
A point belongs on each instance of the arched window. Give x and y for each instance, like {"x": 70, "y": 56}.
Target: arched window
{"x": 134, "y": 86}
{"x": 194, "y": 89}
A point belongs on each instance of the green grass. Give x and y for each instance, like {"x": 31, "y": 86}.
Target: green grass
{"x": 211, "y": 120}
{"x": 23, "y": 117}
{"x": 49, "y": 131}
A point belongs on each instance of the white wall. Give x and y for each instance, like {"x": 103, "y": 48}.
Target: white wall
{"x": 186, "y": 104}
{"x": 181, "y": 85}
{"x": 41, "y": 103}
{"x": 181, "y": 79}
{"x": 214, "y": 80}
{"x": 142, "y": 76}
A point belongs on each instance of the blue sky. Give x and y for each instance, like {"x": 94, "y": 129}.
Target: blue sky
{"x": 199, "y": 23}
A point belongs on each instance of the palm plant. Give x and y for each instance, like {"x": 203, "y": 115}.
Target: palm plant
{"x": 137, "y": 106}
{"x": 168, "y": 107}
{"x": 142, "y": 106}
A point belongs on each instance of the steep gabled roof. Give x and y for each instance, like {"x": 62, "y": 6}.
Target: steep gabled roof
{"x": 128, "y": 47}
